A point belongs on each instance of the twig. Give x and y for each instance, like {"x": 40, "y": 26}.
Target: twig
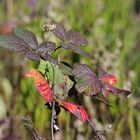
{"x": 29, "y": 126}
{"x": 57, "y": 48}
{"x": 53, "y": 105}
{"x": 95, "y": 130}
{"x": 52, "y": 120}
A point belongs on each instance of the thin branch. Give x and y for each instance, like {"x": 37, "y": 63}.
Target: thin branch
{"x": 57, "y": 48}
{"x": 53, "y": 105}
{"x": 52, "y": 120}
{"x": 95, "y": 130}
{"x": 29, "y": 126}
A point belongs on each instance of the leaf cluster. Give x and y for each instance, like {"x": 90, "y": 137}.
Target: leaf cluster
{"x": 55, "y": 80}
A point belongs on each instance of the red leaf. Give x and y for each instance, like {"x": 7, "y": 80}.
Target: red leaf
{"x": 109, "y": 79}
{"x": 41, "y": 84}
{"x": 106, "y": 77}
{"x": 76, "y": 110}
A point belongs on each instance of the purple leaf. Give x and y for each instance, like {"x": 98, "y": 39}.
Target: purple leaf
{"x": 76, "y": 39}
{"x": 117, "y": 91}
{"x": 86, "y": 79}
{"x": 47, "y": 47}
{"x": 59, "y": 31}
{"x": 82, "y": 52}
{"x": 42, "y": 47}
{"x": 49, "y": 58}
{"x": 14, "y": 43}
{"x": 27, "y": 36}
{"x": 101, "y": 72}
{"x": 32, "y": 56}
{"x": 66, "y": 45}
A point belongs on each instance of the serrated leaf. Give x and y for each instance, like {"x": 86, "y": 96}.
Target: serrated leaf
{"x": 14, "y": 43}
{"x": 42, "y": 85}
{"x": 65, "y": 67}
{"x": 46, "y": 69}
{"x": 27, "y": 36}
{"x": 76, "y": 110}
{"x": 59, "y": 31}
{"x": 48, "y": 57}
{"x": 80, "y": 51}
{"x": 86, "y": 78}
{"x": 47, "y": 47}
{"x": 76, "y": 38}
{"x": 117, "y": 91}
{"x": 76, "y": 49}
{"x": 62, "y": 83}
{"x": 106, "y": 77}
{"x": 32, "y": 55}
{"x": 66, "y": 45}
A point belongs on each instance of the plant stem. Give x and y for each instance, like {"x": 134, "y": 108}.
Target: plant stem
{"x": 95, "y": 130}
{"x": 52, "y": 120}
{"x": 53, "y": 105}
{"x": 57, "y": 48}
{"x": 29, "y": 126}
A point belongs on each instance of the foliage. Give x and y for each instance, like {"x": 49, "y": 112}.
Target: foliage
{"x": 81, "y": 78}
{"x": 112, "y": 30}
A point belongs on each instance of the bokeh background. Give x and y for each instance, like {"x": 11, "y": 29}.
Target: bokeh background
{"x": 112, "y": 28}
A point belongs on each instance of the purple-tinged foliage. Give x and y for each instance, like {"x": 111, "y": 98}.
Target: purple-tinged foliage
{"x": 70, "y": 39}
{"x": 117, "y": 91}
{"x": 27, "y": 36}
{"x": 75, "y": 38}
{"x": 86, "y": 79}
{"x": 32, "y": 56}
{"x": 25, "y": 42}
{"x": 106, "y": 77}
{"x": 59, "y": 31}
{"x": 88, "y": 82}
{"x": 14, "y": 43}
{"x": 47, "y": 47}
{"x": 63, "y": 81}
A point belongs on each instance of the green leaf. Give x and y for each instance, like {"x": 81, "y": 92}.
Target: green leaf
{"x": 65, "y": 67}
{"x": 55, "y": 76}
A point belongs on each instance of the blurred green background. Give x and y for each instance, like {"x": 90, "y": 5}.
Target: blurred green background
{"x": 112, "y": 28}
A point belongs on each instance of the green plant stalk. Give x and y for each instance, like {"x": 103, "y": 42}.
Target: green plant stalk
{"x": 53, "y": 105}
